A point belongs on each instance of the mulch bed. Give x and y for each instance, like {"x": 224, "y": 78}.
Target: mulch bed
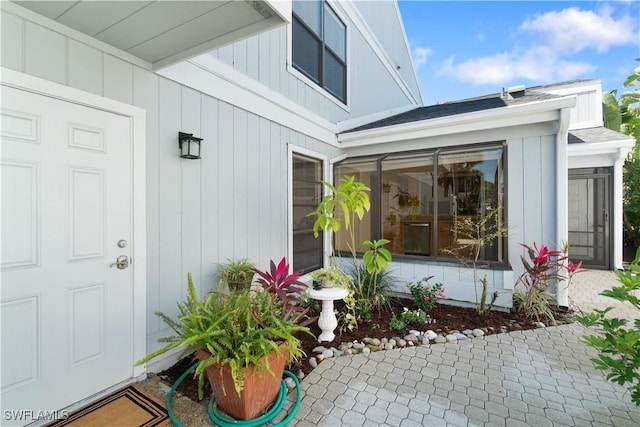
{"x": 445, "y": 318}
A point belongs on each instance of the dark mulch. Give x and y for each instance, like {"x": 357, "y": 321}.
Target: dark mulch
{"x": 445, "y": 318}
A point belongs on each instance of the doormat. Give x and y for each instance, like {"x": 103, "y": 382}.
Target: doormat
{"x": 129, "y": 407}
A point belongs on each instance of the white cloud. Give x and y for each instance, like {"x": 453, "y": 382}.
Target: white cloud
{"x": 573, "y": 30}
{"x": 420, "y": 55}
{"x": 547, "y": 48}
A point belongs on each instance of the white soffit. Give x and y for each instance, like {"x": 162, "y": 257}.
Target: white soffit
{"x": 163, "y": 32}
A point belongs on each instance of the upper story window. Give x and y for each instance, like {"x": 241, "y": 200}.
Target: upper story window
{"x": 320, "y": 46}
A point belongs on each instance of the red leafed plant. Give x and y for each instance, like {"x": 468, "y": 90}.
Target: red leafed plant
{"x": 289, "y": 290}
{"x": 543, "y": 268}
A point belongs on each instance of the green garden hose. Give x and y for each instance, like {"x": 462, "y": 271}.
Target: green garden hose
{"x": 224, "y": 421}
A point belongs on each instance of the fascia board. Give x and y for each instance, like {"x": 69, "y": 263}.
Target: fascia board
{"x": 368, "y": 35}
{"x": 534, "y": 112}
{"x": 599, "y": 148}
{"x": 281, "y": 7}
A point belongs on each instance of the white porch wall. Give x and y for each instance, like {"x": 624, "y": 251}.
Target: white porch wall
{"x": 530, "y": 204}
{"x": 230, "y": 204}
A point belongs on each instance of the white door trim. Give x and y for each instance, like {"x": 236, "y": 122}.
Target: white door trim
{"x": 137, "y": 116}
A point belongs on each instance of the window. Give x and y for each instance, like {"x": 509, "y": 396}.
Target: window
{"x": 320, "y": 46}
{"x": 307, "y": 193}
{"x": 365, "y": 171}
{"x": 421, "y": 195}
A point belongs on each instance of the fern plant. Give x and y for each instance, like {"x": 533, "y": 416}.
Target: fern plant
{"x": 239, "y": 329}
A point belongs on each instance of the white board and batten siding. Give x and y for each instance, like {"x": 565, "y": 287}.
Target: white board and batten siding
{"x": 231, "y": 204}
{"x": 531, "y": 212}
{"x": 267, "y": 58}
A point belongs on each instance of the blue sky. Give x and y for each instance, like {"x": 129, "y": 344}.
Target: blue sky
{"x": 470, "y": 48}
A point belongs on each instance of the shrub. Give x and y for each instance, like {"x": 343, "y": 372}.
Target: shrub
{"x": 619, "y": 346}
{"x": 414, "y": 316}
{"x": 397, "y": 323}
{"x": 544, "y": 268}
{"x": 426, "y": 296}
{"x": 374, "y": 289}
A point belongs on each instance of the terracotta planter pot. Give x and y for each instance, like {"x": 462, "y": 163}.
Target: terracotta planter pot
{"x": 260, "y": 387}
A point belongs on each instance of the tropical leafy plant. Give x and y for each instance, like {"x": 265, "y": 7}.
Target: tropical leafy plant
{"x": 623, "y": 114}
{"x": 345, "y": 203}
{"x": 239, "y": 329}
{"x": 543, "y": 268}
{"x": 289, "y": 290}
{"x": 617, "y": 344}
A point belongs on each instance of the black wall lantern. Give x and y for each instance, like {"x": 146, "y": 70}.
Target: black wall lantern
{"x": 189, "y": 145}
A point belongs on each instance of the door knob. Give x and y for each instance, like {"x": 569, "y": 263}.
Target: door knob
{"x": 121, "y": 263}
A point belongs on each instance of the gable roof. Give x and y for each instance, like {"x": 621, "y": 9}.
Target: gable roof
{"x": 469, "y": 105}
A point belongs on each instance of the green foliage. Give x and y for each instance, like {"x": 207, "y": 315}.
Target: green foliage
{"x": 618, "y": 346}
{"x": 479, "y": 232}
{"x": 238, "y": 274}
{"x": 348, "y": 317}
{"x": 373, "y": 290}
{"x": 408, "y": 317}
{"x": 397, "y": 323}
{"x": 543, "y": 268}
{"x": 238, "y": 329}
{"x": 335, "y": 275}
{"x": 414, "y": 316}
{"x": 424, "y": 295}
{"x": 623, "y": 115}
{"x": 346, "y": 202}
{"x": 484, "y": 308}
{"x": 376, "y": 258}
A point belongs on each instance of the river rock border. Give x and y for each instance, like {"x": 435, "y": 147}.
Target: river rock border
{"x": 413, "y": 338}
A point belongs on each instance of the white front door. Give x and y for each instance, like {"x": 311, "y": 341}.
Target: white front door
{"x": 67, "y": 315}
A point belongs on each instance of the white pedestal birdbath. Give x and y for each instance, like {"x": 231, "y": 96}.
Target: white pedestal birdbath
{"x": 327, "y": 320}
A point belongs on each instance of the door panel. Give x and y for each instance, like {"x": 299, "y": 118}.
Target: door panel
{"x": 66, "y": 201}
{"x": 589, "y": 206}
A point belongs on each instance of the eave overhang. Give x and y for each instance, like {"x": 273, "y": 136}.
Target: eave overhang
{"x": 164, "y": 32}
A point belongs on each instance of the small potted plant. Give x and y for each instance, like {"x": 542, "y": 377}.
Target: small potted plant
{"x": 236, "y": 274}
{"x": 243, "y": 341}
{"x": 331, "y": 277}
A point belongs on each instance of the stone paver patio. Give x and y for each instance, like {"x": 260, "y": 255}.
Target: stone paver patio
{"x": 541, "y": 377}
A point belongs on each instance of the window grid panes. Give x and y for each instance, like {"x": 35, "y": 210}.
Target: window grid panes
{"x": 319, "y": 46}
{"x": 307, "y": 193}
{"x": 421, "y": 197}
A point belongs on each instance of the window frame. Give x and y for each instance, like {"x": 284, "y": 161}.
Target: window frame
{"x": 319, "y": 84}
{"x": 376, "y": 199}
{"x": 325, "y": 174}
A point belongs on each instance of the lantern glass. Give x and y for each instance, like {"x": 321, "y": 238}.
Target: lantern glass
{"x": 189, "y": 146}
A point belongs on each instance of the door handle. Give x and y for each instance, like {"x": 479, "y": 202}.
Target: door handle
{"x": 121, "y": 263}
